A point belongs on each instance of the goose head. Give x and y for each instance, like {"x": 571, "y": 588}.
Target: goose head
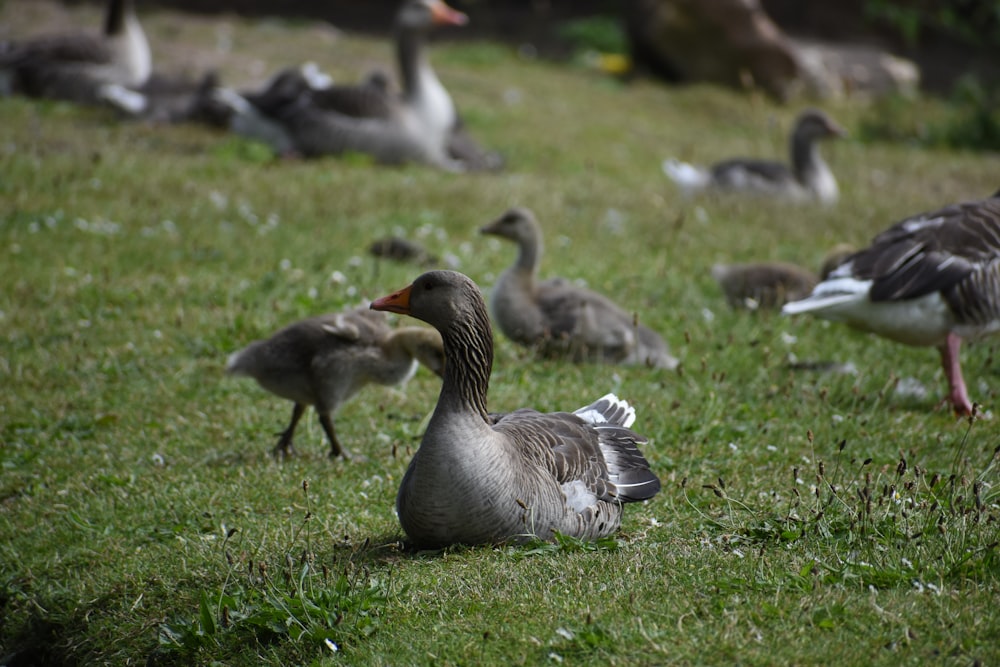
{"x": 420, "y": 15}
{"x": 516, "y": 224}
{"x": 813, "y": 124}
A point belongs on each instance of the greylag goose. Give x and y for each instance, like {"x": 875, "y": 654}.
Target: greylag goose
{"x": 165, "y": 99}
{"x": 809, "y": 177}
{"x": 480, "y": 478}
{"x": 323, "y": 361}
{"x": 931, "y": 279}
{"x": 768, "y": 285}
{"x": 415, "y": 127}
{"x": 74, "y": 66}
{"x": 558, "y": 317}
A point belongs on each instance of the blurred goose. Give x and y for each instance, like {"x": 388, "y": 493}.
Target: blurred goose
{"x": 480, "y": 478}
{"x": 165, "y": 99}
{"x": 559, "y": 317}
{"x": 931, "y": 279}
{"x": 768, "y": 285}
{"x": 809, "y": 177}
{"x": 413, "y": 128}
{"x": 74, "y": 66}
{"x": 323, "y": 361}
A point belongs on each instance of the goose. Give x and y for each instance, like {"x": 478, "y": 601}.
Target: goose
{"x": 73, "y": 66}
{"x": 480, "y": 478}
{"x": 165, "y": 99}
{"x": 413, "y": 128}
{"x": 769, "y": 285}
{"x": 808, "y": 178}
{"x": 558, "y": 317}
{"x": 323, "y": 361}
{"x": 932, "y": 279}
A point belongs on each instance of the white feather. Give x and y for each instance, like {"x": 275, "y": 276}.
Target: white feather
{"x": 687, "y": 176}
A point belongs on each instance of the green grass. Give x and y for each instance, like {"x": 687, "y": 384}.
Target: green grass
{"x": 142, "y": 517}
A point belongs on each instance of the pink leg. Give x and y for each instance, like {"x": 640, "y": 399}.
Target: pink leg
{"x": 953, "y": 371}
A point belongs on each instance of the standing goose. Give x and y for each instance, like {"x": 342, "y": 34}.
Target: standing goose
{"x": 74, "y": 66}
{"x": 931, "y": 279}
{"x": 479, "y": 478}
{"x": 323, "y": 361}
{"x": 412, "y": 128}
{"x": 808, "y": 178}
{"x": 559, "y": 317}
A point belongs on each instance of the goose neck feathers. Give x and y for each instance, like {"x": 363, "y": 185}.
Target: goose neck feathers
{"x": 453, "y": 305}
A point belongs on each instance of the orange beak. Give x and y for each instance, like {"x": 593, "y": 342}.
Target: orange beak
{"x": 397, "y": 302}
{"x": 445, "y": 15}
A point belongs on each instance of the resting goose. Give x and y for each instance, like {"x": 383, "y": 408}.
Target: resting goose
{"x": 768, "y": 285}
{"x": 413, "y": 128}
{"x": 931, "y": 279}
{"x": 74, "y": 66}
{"x": 479, "y": 478}
{"x": 165, "y": 99}
{"x": 559, "y": 317}
{"x": 809, "y": 177}
{"x": 323, "y": 361}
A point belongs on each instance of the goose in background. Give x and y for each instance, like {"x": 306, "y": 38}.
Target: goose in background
{"x": 559, "y": 318}
{"x": 479, "y": 478}
{"x": 167, "y": 99}
{"x": 769, "y": 285}
{"x": 74, "y": 66}
{"x": 932, "y": 279}
{"x": 414, "y": 126}
{"x": 807, "y": 178}
{"x": 323, "y": 361}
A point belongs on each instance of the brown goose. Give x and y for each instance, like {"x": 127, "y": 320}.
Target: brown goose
{"x": 809, "y": 177}
{"x": 931, "y": 279}
{"x": 479, "y": 478}
{"x": 415, "y": 127}
{"x": 74, "y": 66}
{"x": 768, "y": 285}
{"x": 558, "y": 317}
{"x": 323, "y": 361}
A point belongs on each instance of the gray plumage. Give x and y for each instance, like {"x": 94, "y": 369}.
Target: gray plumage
{"x": 932, "y": 279}
{"x": 414, "y": 126}
{"x": 482, "y": 478}
{"x": 323, "y": 361}
{"x": 806, "y": 177}
{"x": 74, "y": 66}
{"x": 558, "y": 317}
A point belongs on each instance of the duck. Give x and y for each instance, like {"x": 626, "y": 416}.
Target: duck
{"x": 770, "y": 285}
{"x": 73, "y": 66}
{"x": 808, "y": 178}
{"x": 325, "y": 360}
{"x": 414, "y": 126}
{"x": 489, "y": 478}
{"x": 559, "y": 318}
{"x": 932, "y": 279}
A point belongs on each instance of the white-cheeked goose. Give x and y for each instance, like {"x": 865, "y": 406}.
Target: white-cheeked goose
{"x": 323, "y": 361}
{"x": 807, "y": 177}
{"x": 478, "y": 478}
{"x": 74, "y": 66}
{"x": 929, "y": 280}
{"x": 558, "y": 317}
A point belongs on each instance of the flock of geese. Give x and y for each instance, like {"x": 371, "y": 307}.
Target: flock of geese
{"x": 932, "y": 279}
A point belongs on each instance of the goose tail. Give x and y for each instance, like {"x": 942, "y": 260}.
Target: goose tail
{"x": 687, "y": 176}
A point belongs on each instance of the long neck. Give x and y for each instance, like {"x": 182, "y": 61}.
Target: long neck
{"x": 468, "y": 351}
{"x": 529, "y": 255}
{"x": 806, "y": 161}
{"x": 413, "y": 62}
{"x": 114, "y": 21}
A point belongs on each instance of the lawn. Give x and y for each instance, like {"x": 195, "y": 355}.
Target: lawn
{"x": 806, "y": 517}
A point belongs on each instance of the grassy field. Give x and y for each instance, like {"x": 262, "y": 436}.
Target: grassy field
{"x": 805, "y": 517}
